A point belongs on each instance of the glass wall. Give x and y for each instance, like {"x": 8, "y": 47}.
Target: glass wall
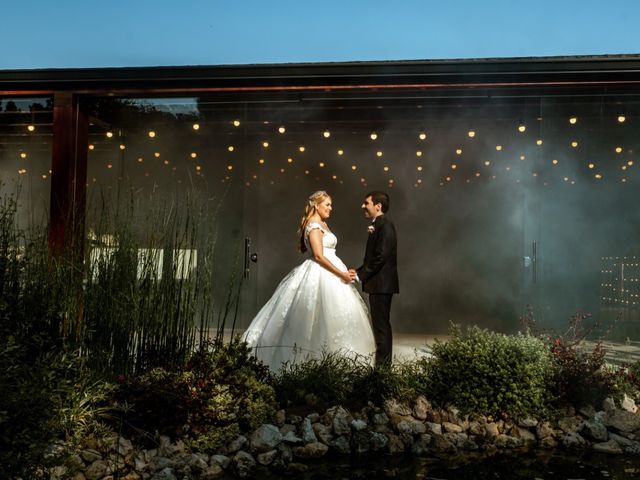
{"x": 25, "y": 155}
{"x": 500, "y": 202}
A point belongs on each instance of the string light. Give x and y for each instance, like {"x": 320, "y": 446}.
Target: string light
{"x": 422, "y": 136}
{"x": 156, "y": 154}
{"x": 471, "y": 134}
{"x": 622, "y": 118}
{"x": 236, "y": 123}
{"x": 539, "y": 142}
{"x": 91, "y": 147}
{"x": 196, "y": 126}
{"x": 282, "y": 130}
{"x": 23, "y": 155}
{"x": 265, "y": 144}
{"x": 231, "y": 148}
{"x": 522, "y": 127}
{"x": 340, "y": 152}
{"x": 554, "y": 161}
{"x": 379, "y": 153}
{"x": 373, "y": 135}
{"x": 31, "y": 128}
{"x": 326, "y": 134}
{"x": 151, "y": 134}
{"x": 574, "y": 144}
{"x": 194, "y": 154}
{"x": 301, "y": 149}
{"x": 459, "y": 151}
{"x": 573, "y": 120}
{"x": 109, "y": 134}
{"x": 418, "y": 153}
{"x": 618, "y": 149}
{"x": 122, "y": 146}
{"x": 498, "y": 147}
{"x": 419, "y": 168}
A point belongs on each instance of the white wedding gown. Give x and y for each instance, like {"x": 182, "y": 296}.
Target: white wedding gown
{"x": 311, "y": 311}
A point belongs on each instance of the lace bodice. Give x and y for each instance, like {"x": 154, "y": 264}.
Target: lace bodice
{"x": 329, "y": 240}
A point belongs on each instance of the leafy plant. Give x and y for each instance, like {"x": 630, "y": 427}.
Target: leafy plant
{"x": 222, "y": 391}
{"x": 489, "y": 373}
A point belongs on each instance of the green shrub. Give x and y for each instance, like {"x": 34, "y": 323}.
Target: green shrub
{"x": 489, "y": 373}
{"x": 222, "y": 392}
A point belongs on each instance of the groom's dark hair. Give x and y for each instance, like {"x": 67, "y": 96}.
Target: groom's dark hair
{"x": 381, "y": 198}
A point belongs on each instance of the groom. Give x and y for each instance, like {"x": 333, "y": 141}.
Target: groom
{"x": 379, "y": 272}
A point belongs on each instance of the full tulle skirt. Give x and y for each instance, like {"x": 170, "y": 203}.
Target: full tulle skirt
{"x": 312, "y": 311}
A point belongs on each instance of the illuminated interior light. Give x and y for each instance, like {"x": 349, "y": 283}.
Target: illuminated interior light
{"x": 622, "y": 118}
{"x": 289, "y": 160}
{"x": 522, "y": 128}
{"x": 574, "y": 144}
{"x": 459, "y": 151}
{"x": 156, "y": 154}
{"x": 194, "y": 154}
{"x": 140, "y": 160}
{"x": 418, "y": 153}
{"x": 373, "y": 136}
{"x": 522, "y": 157}
{"x": 326, "y": 134}
{"x": 477, "y": 174}
{"x": 573, "y": 120}
{"x": 471, "y": 134}
{"x": 453, "y": 166}
{"x": 379, "y": 153}
{"x": 282, "y": 130}
{"x": 422, "y": 136}
{"x": 265, "y": 144}
{"x": 385, "y": 168}
{"x": 151, "y": 134}
{"x": 122, "y": 146}
{"x": 261, "y": 161}
{"x": 166, "y": 162}
{"x": 321, "y": 164}
{"x": 198, "y": 168}
{"x": 487, "y": 162}
{"x": 419, "y": 168}
{"x": 196, "y": 126}
{"x": 91, "y": 147}
{"x": 109, "y": 165}
{"x": 231, "y": 148}
{"x": 109, "y": 134}
{"x": 498, "y": 147}
{"x": 301, "y": 149}
{"x": 554, "y": 161}
{"x": 448, "y": 179}
{"x": 236, "y": 123}
{"x": 618, "y": 149}
{"x": 591, "y": 166}
{"x": 23, "y": 155}
{"x": 229, "y": 167}
{"x": 598, "y": 176}
{"x": 630, "y": 162}
{"x": 539, "y": 141}
{"x": 340, "y": 152}
{"x": 31, "y": 128}
{"x": 353, "y": 167}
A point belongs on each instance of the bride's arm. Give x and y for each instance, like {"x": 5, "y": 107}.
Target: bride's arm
{"x": 315, "y": 240}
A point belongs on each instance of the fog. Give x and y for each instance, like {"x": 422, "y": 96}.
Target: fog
{"x": 469, "y": 209}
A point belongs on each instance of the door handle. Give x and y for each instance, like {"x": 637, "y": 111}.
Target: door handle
{"x": 534, "y": 262}
{"x": 247, "y": 249}
{"x": 248, "y": 257}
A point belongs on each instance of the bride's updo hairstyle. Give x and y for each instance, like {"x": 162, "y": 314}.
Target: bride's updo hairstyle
{"x": 309, "y": 209}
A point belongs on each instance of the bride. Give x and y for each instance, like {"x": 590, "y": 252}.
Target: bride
{"x": 316, "y": 307}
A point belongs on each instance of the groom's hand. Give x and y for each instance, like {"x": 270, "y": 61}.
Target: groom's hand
{"x": 352, "y": 274}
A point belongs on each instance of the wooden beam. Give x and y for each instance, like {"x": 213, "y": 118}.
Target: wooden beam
{"x": 68, "y": 176}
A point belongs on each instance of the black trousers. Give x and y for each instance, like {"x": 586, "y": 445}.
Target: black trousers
{"x": 380, "y": 304}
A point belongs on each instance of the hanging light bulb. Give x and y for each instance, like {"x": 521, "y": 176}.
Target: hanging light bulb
{"x": 326, "y": 134}
{"x": 373, "y": 135}
{"x": 422, "y": 136}
{"x": 196, "y": 126}
{"x": 282, "y": 130}
{"x": 522, "y": 127}
{"x": 573, "y": 120}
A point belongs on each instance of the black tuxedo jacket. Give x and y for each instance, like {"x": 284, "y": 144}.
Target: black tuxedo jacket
{"x": 379, "y": 270}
